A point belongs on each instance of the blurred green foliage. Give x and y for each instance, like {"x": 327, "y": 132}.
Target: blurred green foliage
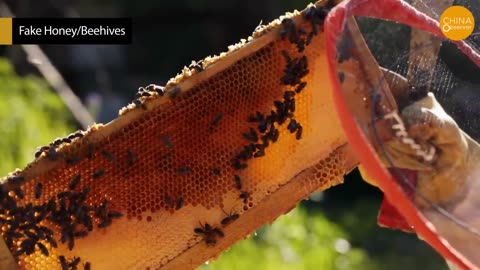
{"x": 31, "y": 115}
{"x": 340, "y": 239}
{"x": 297, "y": 240}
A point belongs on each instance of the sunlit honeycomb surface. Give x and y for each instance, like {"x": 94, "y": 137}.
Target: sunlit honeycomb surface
{"x": 173, "y": 153}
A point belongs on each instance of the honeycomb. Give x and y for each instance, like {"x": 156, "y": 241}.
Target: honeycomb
{"x": 189, "y": 168}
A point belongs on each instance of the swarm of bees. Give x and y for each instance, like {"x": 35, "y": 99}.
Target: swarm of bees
{"x": 67, "y": 210}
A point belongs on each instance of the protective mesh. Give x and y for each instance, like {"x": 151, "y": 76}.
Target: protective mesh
{"x": 183, "y": 164}
{"x": 419, "y": 113}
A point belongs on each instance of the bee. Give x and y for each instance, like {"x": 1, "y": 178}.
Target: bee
{"x": 43, "y": 148}
{"x": 196, "y": 66}
{"x": 258, "y": 117}
{"x": 57, "y": 142}
{"x": 39, "y": 233}
{"x": 294, "y": 71}
{"x": 104, "y": 224}
{"x": 309, "y": 37}
{"x": 74, "y": 263}
{"x": 216, "y": 171}
{"x": 78, "y": 134}
{"x": 169, "y": 201}
{"x": 210, "y": 240}
{"x": 90, "y": 151}
{"x": 19, "y": 192}
{"x": 289, "y": 31}
{"x": 183, "y": 170}
{"x": 275, "y": 135}
{"x": 272, "y": 135}
{"x": 72, "y": 161}
{"x": 51, "y": 205}
{"x": 238, "y": 181}
{"x": 63, "y": 262}
{"x": 88, "y": 223}
{"x": 279, "y": 105}
{"x": 157, "y": 88}
{"x": 98, "y": 173}
{"x": 130, "y": 157}
{"x": 252, "y": 148}
{"x": 51, "y": 241}
{"x": 39, "y": 152}
{"x": 290, "y": 106}
{"x": 243, "y": 155}
{"x": 341, "y": 77}
{"x": 64, "y": 194}
{"x": 31, "y": 236}
{"x": 216, "y": 119}
{"x": 28, "y": 246}
{"x": 52, "y": 154}
{"x": 173, "y": 93}
{"x": 203, "y": 229}
{"x": 259, "y": 153}
{"x": 237, "y": 165}
{"x": 288, "y": 95}
{"x": 293, "y": 126}
{"x": 288, "y": 78}
{"x": 218, "y": 232}
{"x": 81, "y": 234}
{"x": 108, "y": 155}
{"x": 75, "y": 181}
{"x": 179, "y": 203}
{"x": 85, "y": 192}
{"x": 229, "y": 218}
{"x": 300, "y": 87}
{"x": 139, "y": 104}
{"x": 87, "y": 266}
{"x": 251, "y": 135}
{"x": 67, "y": 236}
{"x": 71, "y": 136}
{"x": 300, "y": 45}
{"x": 310, "y": 12}
{"x": 299, "y": 133}
{"x": 263, "y": 125}
{"x": 139, "y": 92}
{"x": 167, "y": 141}
{"x": 302, "y": 64}
{"x": 287, "y": 57}
{"x": 247, "y": 152}
{"x": 244, "y": 195}
{"x": 43, "y": 249}
{"x": 114, "y": 214}
{"x": 209, "y": 233}
{"x": 316, "y": 16}
{"x": 101, "y": 210}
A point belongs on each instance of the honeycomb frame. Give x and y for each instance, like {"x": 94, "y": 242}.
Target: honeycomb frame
{"x": 251, "y": 119}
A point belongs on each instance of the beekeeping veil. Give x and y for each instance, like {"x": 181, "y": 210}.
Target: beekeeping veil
{"x": 406, "y": 93}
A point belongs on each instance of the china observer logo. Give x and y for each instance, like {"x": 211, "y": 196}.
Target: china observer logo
{"x": 457, "y": 23}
